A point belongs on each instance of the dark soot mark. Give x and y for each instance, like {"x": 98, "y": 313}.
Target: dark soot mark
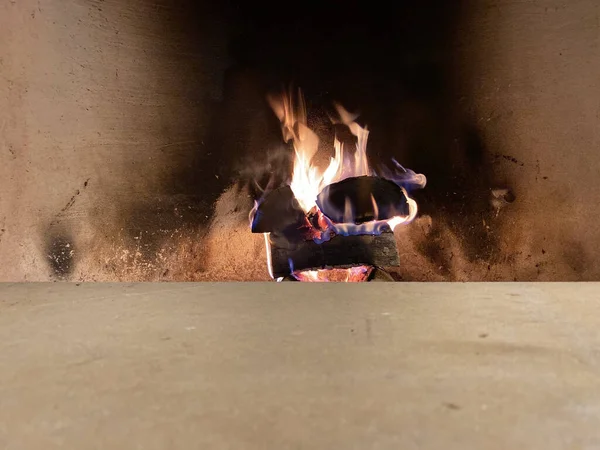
{"x": 195, "y": 38}
{"x": 60, "y": 251}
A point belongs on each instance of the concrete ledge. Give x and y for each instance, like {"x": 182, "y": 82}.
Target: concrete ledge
{"x": 278, "y": 366}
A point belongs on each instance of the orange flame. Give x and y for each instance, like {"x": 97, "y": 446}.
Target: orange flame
{"x": 308, "y": 181}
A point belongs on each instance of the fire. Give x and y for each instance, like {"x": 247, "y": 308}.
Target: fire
{"x": 328, "y": 212}
{"x": 308, "y": 181}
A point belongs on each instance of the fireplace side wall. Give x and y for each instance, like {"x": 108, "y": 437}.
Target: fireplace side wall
{"x": 530, "y": 77}
{"x": 105, "y": 105}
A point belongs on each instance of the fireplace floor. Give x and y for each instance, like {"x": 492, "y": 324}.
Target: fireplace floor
{"x": 266, "y": 365}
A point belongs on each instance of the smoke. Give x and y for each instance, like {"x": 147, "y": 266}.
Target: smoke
{"x": 263, "y": 174}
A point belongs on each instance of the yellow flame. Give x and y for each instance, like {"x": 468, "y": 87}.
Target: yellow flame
{"x": 307, "y": 180}
{"x": 375, "y": 207}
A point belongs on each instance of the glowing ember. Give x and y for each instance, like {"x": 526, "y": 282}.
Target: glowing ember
{"x": 352, "y": 274}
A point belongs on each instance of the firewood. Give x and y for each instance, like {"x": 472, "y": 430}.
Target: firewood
{"x": 362, "y": 199}
{"x": 378, "y": 251}
{"x": 278, "y": 211}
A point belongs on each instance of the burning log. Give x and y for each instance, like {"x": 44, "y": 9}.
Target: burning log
{"x": 279, "y": 211}
{"x": 337, "y": 223}
{"x": 340, "y": 251}
{"x": 362, "y": 199}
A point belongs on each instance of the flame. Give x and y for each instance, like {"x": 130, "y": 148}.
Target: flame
{"x": 308, "y": 181}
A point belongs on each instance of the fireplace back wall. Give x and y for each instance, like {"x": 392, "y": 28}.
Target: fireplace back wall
{"x": 130, "y": 128}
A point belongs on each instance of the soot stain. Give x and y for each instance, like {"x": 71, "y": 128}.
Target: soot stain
{"x": 163, "y": 220}
{"x": 184, "y": 195}
{"x": 59, "y": 247}
{"x": 60, "y": 251}
{"x": 436, "y": 252}
{"x": 576, "y": 256}
{"x": 61, "y": 214}
{"x": 458, "y": 194}
{"x": 509, "y": 158}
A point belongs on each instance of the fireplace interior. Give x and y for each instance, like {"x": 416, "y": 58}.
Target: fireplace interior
{"x": 138, "y": 136}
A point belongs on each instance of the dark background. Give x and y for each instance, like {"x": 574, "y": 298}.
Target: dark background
{"x": 393, "y": 63}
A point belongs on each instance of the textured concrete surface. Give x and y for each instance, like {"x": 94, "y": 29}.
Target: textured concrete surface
{"x": 282, "y": 366}
{"x": 102, "y": 104}
{"x": 110, "y": 165}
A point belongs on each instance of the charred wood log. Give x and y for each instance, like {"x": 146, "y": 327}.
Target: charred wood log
{"x": 380, "y": 251}
{"x": 278, "y": 212}
{"x": 362, "y": 199}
